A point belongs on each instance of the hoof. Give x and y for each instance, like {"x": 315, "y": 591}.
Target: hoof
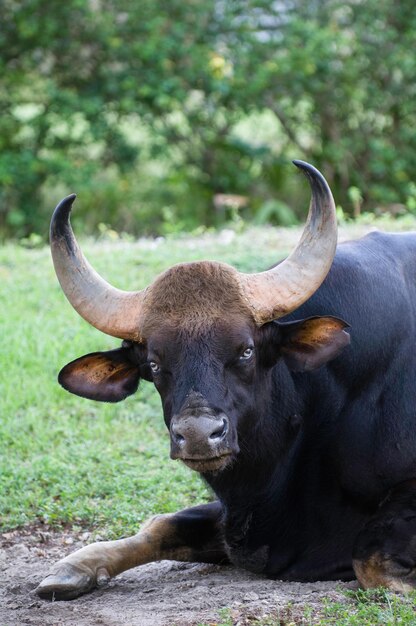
{"x": 66, "y": 583}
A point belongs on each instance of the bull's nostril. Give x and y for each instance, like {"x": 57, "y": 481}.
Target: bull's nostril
{"x": 219, "y": 432}
{"x": 177, "y": 437}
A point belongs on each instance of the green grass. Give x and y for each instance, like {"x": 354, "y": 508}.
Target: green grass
{"x": 376, "y": 607}
{"x": 370, "y": 608}
{"x": 66, "y": 460}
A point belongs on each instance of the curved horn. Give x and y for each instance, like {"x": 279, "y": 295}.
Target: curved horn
{"x": 111, "y": 310}
{"x": 285, "y": 287}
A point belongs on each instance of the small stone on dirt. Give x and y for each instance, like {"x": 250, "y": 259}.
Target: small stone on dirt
{"x": 250, "y": 597}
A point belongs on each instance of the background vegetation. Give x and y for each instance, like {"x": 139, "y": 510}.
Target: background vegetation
{"x": 151, "y": 109}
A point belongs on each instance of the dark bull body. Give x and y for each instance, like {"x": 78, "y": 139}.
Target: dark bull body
{"x": 308, "y": 441}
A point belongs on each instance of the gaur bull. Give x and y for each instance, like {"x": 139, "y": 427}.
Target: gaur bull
{"x": 302, "y": 424}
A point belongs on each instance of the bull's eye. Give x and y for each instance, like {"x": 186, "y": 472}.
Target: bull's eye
{"x": 154, "y": 367}
{"x": 248, "y": 352}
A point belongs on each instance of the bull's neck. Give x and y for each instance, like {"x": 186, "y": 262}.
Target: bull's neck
{"x": 268, "y": 441}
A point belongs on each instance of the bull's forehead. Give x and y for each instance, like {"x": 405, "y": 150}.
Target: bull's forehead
{"x": 194, "y": 296}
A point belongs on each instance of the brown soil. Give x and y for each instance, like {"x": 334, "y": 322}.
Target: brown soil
{"x": 158, "y": 594}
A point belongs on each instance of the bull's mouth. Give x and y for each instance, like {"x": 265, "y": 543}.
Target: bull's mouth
{"x": 213, "y": 464}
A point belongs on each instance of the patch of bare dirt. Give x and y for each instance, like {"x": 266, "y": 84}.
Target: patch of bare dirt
{"x": 159, "y": 594}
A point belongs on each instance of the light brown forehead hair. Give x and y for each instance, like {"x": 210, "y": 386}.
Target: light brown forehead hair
{"x": 194, "y": 297}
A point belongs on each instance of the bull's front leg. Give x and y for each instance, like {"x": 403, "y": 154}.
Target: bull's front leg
{"x": 193, "y": 534}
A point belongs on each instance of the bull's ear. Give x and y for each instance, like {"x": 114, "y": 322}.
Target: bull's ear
{"x": 308, "y": 344}
{"x": 105, "y": 376}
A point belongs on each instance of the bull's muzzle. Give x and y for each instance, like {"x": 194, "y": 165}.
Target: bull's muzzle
{"x": 201, "y": 441}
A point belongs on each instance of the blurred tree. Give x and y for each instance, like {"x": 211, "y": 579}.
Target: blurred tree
{"x": 72, "y": 74}
{"x": 340, "y": 76}
{"x": 81, "y": 80}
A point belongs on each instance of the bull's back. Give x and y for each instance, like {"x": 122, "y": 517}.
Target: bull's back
{"x": 371, "y": 387}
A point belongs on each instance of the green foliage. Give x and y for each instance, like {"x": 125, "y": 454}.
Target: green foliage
{"x": 149, "y": 110}
{"x": 72, "y": 76}
{"x": 275, "y": 212}
{"x": 318, "y": 68}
